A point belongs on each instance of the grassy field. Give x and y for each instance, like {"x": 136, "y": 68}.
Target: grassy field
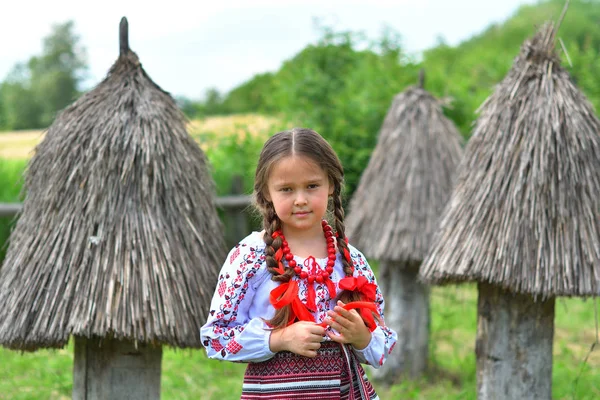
{"x": 19, "y": 145}
{"x": 190, "y": 375}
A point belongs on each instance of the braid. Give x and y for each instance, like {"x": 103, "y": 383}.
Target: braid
{"x": 271, "y": 224}
{"x": 338, "y": 213}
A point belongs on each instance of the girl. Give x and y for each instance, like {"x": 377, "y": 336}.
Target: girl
{"x": 295, "y": 301}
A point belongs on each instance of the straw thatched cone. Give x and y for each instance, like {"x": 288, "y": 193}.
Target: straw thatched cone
{"x": 394, "y": 213}
{"x": 118, "y": 239}
{"x": 523, "y": 219}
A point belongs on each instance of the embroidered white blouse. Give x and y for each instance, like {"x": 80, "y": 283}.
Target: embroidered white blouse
{"x": 235, "y": 329}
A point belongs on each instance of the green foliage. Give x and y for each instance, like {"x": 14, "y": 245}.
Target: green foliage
{"x": 233, "y": 155}
{"x": 343, "y": 92}
{"x": 229, "y": 156}
{"x": 252, "y": 96}
{"x": 10, "y": 188}
{"x": 20, "y": 108}
{"x": 343, "y": 85}
{"x": 468, "y": 73}
{"x": 34, "y": 92}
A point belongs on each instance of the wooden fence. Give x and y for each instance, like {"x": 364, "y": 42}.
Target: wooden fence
{"x": 235, "y": 210}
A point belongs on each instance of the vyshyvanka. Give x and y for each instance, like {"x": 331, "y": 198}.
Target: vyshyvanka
{"x": 245, "y": 297}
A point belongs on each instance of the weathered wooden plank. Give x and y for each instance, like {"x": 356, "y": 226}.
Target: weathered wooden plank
{"x": 9, "y": 209}
{"x": 514, "y": 345}
{"x": 406, "y": 312}
{"x": 225, "y": 202}
{"x": 115, "y": 370}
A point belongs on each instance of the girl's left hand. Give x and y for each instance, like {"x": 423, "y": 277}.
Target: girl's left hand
{"x": 351, "y": 327}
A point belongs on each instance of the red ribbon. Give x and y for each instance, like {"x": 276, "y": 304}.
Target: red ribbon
{"x": 287, "y": 293}
{"x": 346, "y": 252}
{"x": 278, "y": 254}
{"x": 311, "y": 294}
{"x": 360, "y": 284}
{"x": 311, "y": 297}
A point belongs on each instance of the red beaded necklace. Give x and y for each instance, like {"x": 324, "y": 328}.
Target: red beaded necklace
{"x": 314, "y": 272}
{"x": 286, "y": 294}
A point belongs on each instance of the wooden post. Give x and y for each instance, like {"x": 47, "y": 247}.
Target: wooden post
{"x": 235, "y": 219}
{"x": 406, "y": 312}
{"x": 514, "y": 345}
{"x": 115, "y": 370}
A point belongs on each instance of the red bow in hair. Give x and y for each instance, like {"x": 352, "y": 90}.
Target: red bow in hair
{"x": 368, "y": 292}
{"x": 287, "y": 293}
{"x": 359, "y": 284}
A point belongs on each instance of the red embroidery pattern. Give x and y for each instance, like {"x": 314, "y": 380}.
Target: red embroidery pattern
{"x": 233, "y": 346}
{"x": 222, "y": 287}
{"x": 392, "y": 347}
{"x": 234, "y": 255}
{"x": 233, "y": 287}
{"x": 215, "y": 344}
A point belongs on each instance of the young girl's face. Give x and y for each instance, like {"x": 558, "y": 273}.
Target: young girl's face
{"x": 299, "y": 190}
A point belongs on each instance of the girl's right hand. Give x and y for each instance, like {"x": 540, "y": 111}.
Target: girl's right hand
{"x": 302, "y": 338}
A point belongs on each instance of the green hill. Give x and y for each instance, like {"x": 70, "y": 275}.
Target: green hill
{"x": 343, "y": 85}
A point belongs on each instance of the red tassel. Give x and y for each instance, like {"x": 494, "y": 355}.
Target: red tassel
{"x": 310, "y": 298}
{"x": 330, "y": 287}
{"x": 301, "y": 311}
{"x": 287, "y": 293}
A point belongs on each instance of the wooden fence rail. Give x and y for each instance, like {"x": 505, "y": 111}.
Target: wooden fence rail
{"x": 225, "y": 203}
{"x": 235, "y": 209}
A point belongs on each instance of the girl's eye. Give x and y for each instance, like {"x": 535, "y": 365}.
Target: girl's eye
{"x": 313, "y": 186}
{"x": 285, "y": 189}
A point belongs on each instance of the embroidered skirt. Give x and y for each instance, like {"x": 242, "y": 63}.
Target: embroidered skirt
{"x": 334, "y": 373}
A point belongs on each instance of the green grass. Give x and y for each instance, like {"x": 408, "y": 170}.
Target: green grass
{"x": 10, "y": 187}
{"x": 190, "y": 375}
{"x": 10, "y": 179}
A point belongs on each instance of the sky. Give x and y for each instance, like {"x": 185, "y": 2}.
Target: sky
{"x": 188, "y": 47}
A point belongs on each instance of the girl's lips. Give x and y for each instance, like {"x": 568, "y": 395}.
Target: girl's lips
{"x": 301, "y": 214}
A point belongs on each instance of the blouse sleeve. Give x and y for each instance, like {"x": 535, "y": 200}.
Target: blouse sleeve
{"x": 229, "y": 333}
{"x": 383, "y": 339}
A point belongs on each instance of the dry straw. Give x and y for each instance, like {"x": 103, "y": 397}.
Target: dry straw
{"x": 402, "y": 192}
{"x": 525, "y": 214}
{"x": 119, "y": 235}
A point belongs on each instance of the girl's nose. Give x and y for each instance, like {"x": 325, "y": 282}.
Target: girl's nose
{"x": 300, "y": 199}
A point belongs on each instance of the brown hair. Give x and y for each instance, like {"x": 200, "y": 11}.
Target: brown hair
{"x": 307, "y": 143}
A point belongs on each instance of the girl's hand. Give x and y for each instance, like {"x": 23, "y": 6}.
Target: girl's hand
{"x": 351, "y": 327}
{"x": 302, "y": 337}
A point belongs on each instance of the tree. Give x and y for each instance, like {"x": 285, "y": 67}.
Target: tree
{"x": 35, "y": 91}
{"x": 56, "y": 74}
{"x": 20, "y": 109}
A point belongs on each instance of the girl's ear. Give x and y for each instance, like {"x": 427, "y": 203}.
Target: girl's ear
{"x": 330, "y": 189}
